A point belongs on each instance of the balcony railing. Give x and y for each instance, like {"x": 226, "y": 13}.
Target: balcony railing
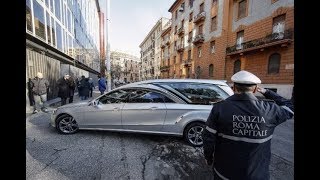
{"x": 198, "y": 39}
{"x": 164, "y": 68}
{"x": 269, "y": 40}
{"x": 187, "y": 62}
{"x": 199, "y": 17}
{"x": 180, "y": 47}
{"x": 180, "y": 31}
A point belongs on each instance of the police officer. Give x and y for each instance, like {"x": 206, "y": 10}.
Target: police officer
{"x": 238, "y": 133}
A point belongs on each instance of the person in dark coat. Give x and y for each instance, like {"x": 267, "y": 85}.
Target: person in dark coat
{"x": 30, "y": 86}
{"x": 72, "y": 87}
{"x": 239, "y": 129}
{"x": 91, "y": 87}
{"x": 64, "y": 90}
{"x": 84, "y": 88}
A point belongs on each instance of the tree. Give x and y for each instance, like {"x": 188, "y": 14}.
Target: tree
{"x": 115, "y": 71}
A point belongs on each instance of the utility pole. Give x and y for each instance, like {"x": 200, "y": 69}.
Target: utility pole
{"x": 107, "y": 29}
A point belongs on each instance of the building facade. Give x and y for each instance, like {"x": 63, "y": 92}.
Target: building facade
{"x": 125, "y": 67}
{"x": 166, "y": 37}
{"x": 62, "y": 37}
{"x": 151, "y": 51}
{"x": 213, "y": 39}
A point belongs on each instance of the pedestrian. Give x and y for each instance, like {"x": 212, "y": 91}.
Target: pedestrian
{"x": 64, "y": 90}
{"x": 39, "y": 90}
{"x": 30, "y": 86}
{"x": 72, "y": 87}
{"x": 84, "y": 88}
{"x": 102, "y": 84}
{"x": 91, "y": 87}
{"x": 237, "y": 137}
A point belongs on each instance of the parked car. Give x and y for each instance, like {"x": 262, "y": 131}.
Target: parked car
{"x": 178, "y": 107}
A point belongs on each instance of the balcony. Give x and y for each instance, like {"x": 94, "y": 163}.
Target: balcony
{"x": 198, "y": 39}
{"x": 180, "y": 31}
{"x": 180, "y": 48}
{"x": 273, "y": 39}
{"x": 199, "y": 17}
{"x": 164, "y": 68}
{"x": 187, "y": 63}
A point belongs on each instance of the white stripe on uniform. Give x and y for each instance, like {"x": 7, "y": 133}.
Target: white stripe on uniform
{"x": 288, "y": 109}
{"x": 211, "y": 130}
{"x": 244, "y": 139}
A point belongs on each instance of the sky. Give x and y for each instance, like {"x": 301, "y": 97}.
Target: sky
{"x": 132, "y": 20}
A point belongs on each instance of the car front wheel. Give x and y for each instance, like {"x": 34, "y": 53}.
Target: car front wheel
{"x": 193, "y": 134}
{"x": 66, "y": 124}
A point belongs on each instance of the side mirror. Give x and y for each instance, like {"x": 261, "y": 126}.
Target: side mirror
{"x": 94, "y": 103}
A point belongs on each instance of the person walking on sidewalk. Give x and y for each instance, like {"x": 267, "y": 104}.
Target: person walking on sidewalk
{"x": 40, "y": 87}
{"x": 237, "y": 137}
{"x": 30, "y": 85}
{"x": 102, "y": 84}
{"x": 72, "y": 87}
{"x": 91, "y": 87}
{"x": 84, "y": 88}
{"x": 64, "y": 90}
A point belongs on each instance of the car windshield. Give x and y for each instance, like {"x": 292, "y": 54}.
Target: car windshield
{"x": 197, "y": 93}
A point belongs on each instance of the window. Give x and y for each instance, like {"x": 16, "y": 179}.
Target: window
{"x": 57, "y": 9}
{"x": 214, "y": 2}
{"x": 274, "y": 63}
{"x": 119, "y": 96}
{"x": 278, "y": 26}
{"x": 199, "y": 51}
{"x": 174, "y": 59}
{"x": 240, "y": 35}
{"x": 39, "y": 20}
{"x": 212, "y": 47}
{"x": 53, "y": 31}
{"x": 211, "y": 70}
{"x": 201, "y": 29}
{"x": 214, "y": 23}
{"x": 28, "y": 16}
{"x": 201, "y": 7}
{"x": 190, "y": 16}
{"x": 242, "y": 9}
{"x": 189, "y": 55}
{"x": 191, "y": 3}
{"x": 49, "y": 27}
{"x": 181, "y": 57}
{"x": 182, "y": 23}
{"x": 52, "y": 6}
{"x": 47, "y": 3}
{"x": 59, "y": 36}
{"x": 175, "y": 45}
{"x": 175, "y": 29}
{"x": 198, "y": 72}
{"x": 190, "y": 36}
{"x": 197, "y": 93}
{"x": 176, "y": 14}
{"x": 237, "y": 66}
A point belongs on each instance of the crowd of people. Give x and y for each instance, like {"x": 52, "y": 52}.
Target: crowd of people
{"x": 38, "y": 89}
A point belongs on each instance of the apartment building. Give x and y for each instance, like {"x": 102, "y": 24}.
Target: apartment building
{"x": 151, "y": 51}
{"x": 213, "y": 39}
{"x": 165, "y": 50}
{"x": 125, "y": 67}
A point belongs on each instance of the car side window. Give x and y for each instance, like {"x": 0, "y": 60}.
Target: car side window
{"x": 145, "y": 96}
{"x": 119, "y": 96}
{"x": 198, "y": 93}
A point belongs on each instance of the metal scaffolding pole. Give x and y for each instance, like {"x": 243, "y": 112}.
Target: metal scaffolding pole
{"x": 107, "y": 29}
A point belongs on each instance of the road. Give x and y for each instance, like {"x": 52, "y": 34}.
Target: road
{"x": 110, "y": 155}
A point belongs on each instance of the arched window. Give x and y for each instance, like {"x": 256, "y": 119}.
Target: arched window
{"x": 198, "y": 72}
{"x": 237, "y": 66}
{"x": 274, "y": 63}
{"x": 211, "y": 70}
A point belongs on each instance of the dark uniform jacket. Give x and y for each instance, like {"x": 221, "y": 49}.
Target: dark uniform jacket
{"x": 238, "y": 134}
{"x": 63, "y": 85}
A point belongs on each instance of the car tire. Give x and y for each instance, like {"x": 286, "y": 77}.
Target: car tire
{"x": 66, "y": 124}
{"x": 193, "y": 134}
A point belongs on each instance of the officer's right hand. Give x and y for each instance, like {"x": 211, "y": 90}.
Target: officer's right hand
{"x": 261, "y": 90}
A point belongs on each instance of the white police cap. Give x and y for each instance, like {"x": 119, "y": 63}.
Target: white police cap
{"x": 245, "y": 77}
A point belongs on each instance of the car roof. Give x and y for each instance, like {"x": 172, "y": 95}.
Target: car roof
{"x": 217, "y": 82}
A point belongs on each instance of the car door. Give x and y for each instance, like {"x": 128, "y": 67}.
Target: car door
{"x": 106, "y": 114}
{"x": 144, "y": 111}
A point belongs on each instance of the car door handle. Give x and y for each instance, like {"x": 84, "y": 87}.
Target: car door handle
{"x": 153, "y": 108}
{"x": 116, "y": 109}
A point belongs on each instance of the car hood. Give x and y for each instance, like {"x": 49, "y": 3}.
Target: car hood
{"x": 73, "y": 105}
